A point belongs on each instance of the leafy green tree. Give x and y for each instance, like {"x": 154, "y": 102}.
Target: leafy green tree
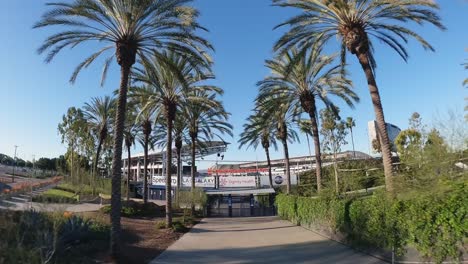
{"x": 334, "y": 136}
{"x": 169, "y": 84}
{"x": 258, "y": 130}
{"x": 356, "y": 24}
{"x": 132, "y": 29}
{"x": 350, "y": 123}
{"x": 409, "y": 145}
{"x": 304, "y": 79}
{"x": 98, "y": 115}
{"x": 72, "y": 129}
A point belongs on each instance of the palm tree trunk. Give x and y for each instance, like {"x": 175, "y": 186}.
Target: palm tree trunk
{"x": 318, "y": 154}
{"x": 380, "y": 119}
{"x": 192, "y": 189}
{"x": 129, "y": 166}
{"x": 179, "y": 176}
{"x": 286, "y": 162}
{"x": 96, "y": 159}
{"x": 270, "y": 176}
{"x": 145, "y": 168}
{"x": 310, "y": 154}
{"x": 308, "y": 104}
{"x": 352, "y": 141}
{"x": 170, "y": 112}
{"x": 116, "y": 203}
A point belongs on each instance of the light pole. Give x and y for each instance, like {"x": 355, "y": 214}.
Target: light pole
{"x": 14, "y": 166}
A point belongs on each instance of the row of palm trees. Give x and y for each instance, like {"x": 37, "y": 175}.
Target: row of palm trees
{"x": 302, "y": 75}
{"x": 147, "y": 38}
{"x": 199, "y": 116}
{"x": 140, "y": 34}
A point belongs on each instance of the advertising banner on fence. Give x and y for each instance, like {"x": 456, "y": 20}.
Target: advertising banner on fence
{"x": 278, "y": 180}
{"x": 231, "y": 181}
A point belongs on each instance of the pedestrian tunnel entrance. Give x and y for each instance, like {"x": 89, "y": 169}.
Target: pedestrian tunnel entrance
{"x": 240, "y": 203}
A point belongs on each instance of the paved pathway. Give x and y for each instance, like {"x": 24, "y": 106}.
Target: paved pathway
{"x": 257, "y": 240}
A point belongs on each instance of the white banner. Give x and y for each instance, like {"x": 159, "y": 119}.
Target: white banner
{"x": 278, "y": 180}
{"x": 230, "y": 181}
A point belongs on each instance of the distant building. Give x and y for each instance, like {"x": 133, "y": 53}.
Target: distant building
{"x": 392, "y": 131}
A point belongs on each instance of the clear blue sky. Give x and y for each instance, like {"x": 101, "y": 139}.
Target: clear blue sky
{"x": 35, "y": 95}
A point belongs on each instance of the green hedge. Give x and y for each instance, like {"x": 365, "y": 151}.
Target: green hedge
{"x": 434, "y": 224}
{"x": 56, "y": 196}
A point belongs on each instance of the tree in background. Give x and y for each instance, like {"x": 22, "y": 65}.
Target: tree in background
{"x": 207, "y": 120}
{"x": 350, "y": 123}
{"x": 356, "y": 24}
{"x": 72, "y": 130}
{"x": 334, "y": 132}
{"x": 98, "y": 115}
{"x": 169, "y": 83}
{"x": 258, "y": 130}
{"x": 304, "y": 79}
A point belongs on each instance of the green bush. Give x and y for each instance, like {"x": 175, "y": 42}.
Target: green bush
{"x": 56, "y": 196}
{"x": 434, "y": 224}
{"x": 37, "y": 237}
{"x": 136, "y": 209}
{"x": 178, "y": 226}
{"x": 160, "y": 224}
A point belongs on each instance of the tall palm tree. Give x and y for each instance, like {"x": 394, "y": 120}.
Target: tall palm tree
{"x": 353, "y": 23}
{"x": 207, "y": 119}
{"x": 304, "y": 79}
{"x": 169, "y": 81}
{"x": 258, "y": 130}
{"x": 350, "y": 123}
{"x": 132, "y": 28}
{"x": 305, "y": 127}
{"x": 180, "y": 136}
{"x": 283, "y": 118}
{"x": 98, "y": 114}
{"x": 146, "y": 113}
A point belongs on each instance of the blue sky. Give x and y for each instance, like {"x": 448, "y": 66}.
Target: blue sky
{"x": 35, "y": 95}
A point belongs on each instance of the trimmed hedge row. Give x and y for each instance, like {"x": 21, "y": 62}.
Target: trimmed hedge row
{"x": 434, "y": 224}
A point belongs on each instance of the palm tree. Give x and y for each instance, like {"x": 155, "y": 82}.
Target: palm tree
{"x": 304, "y": 79}
{"x": 350, "y": 123}
{"x": 305, "y": 127}
{"x": 283, "y": 118}
{"x": 98, "y": 115}
{"x": 353, "y": 23}
{"x": 132, "y": 28}
{"x": 258, "y": 130}
{"x": 207, "y": 119}
{"x": 146, "y": 113}
{"x": 169, "y": 83}
{"x": 180, "y": 136}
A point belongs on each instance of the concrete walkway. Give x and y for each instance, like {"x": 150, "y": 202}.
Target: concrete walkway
{"x": 257, "y": 240}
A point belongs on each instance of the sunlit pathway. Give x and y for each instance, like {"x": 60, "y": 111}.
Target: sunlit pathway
{"x": 257, "y": 240}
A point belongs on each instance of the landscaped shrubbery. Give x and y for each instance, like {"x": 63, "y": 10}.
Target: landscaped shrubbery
{"x": 34, "y": 237}
{"x": 435, "y": 223}
{"x": 56, "y": 196}
{"x": 136, "y": 209}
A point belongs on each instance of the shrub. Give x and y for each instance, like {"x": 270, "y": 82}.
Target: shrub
{"x": 56, "y": 196}
{"x": 160, "y": 224}
{"x": 38, "y": 237}
{"x": 178, "y": 226}
{"x": 136, "y": 209}
{"x": 434, "y": 223}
